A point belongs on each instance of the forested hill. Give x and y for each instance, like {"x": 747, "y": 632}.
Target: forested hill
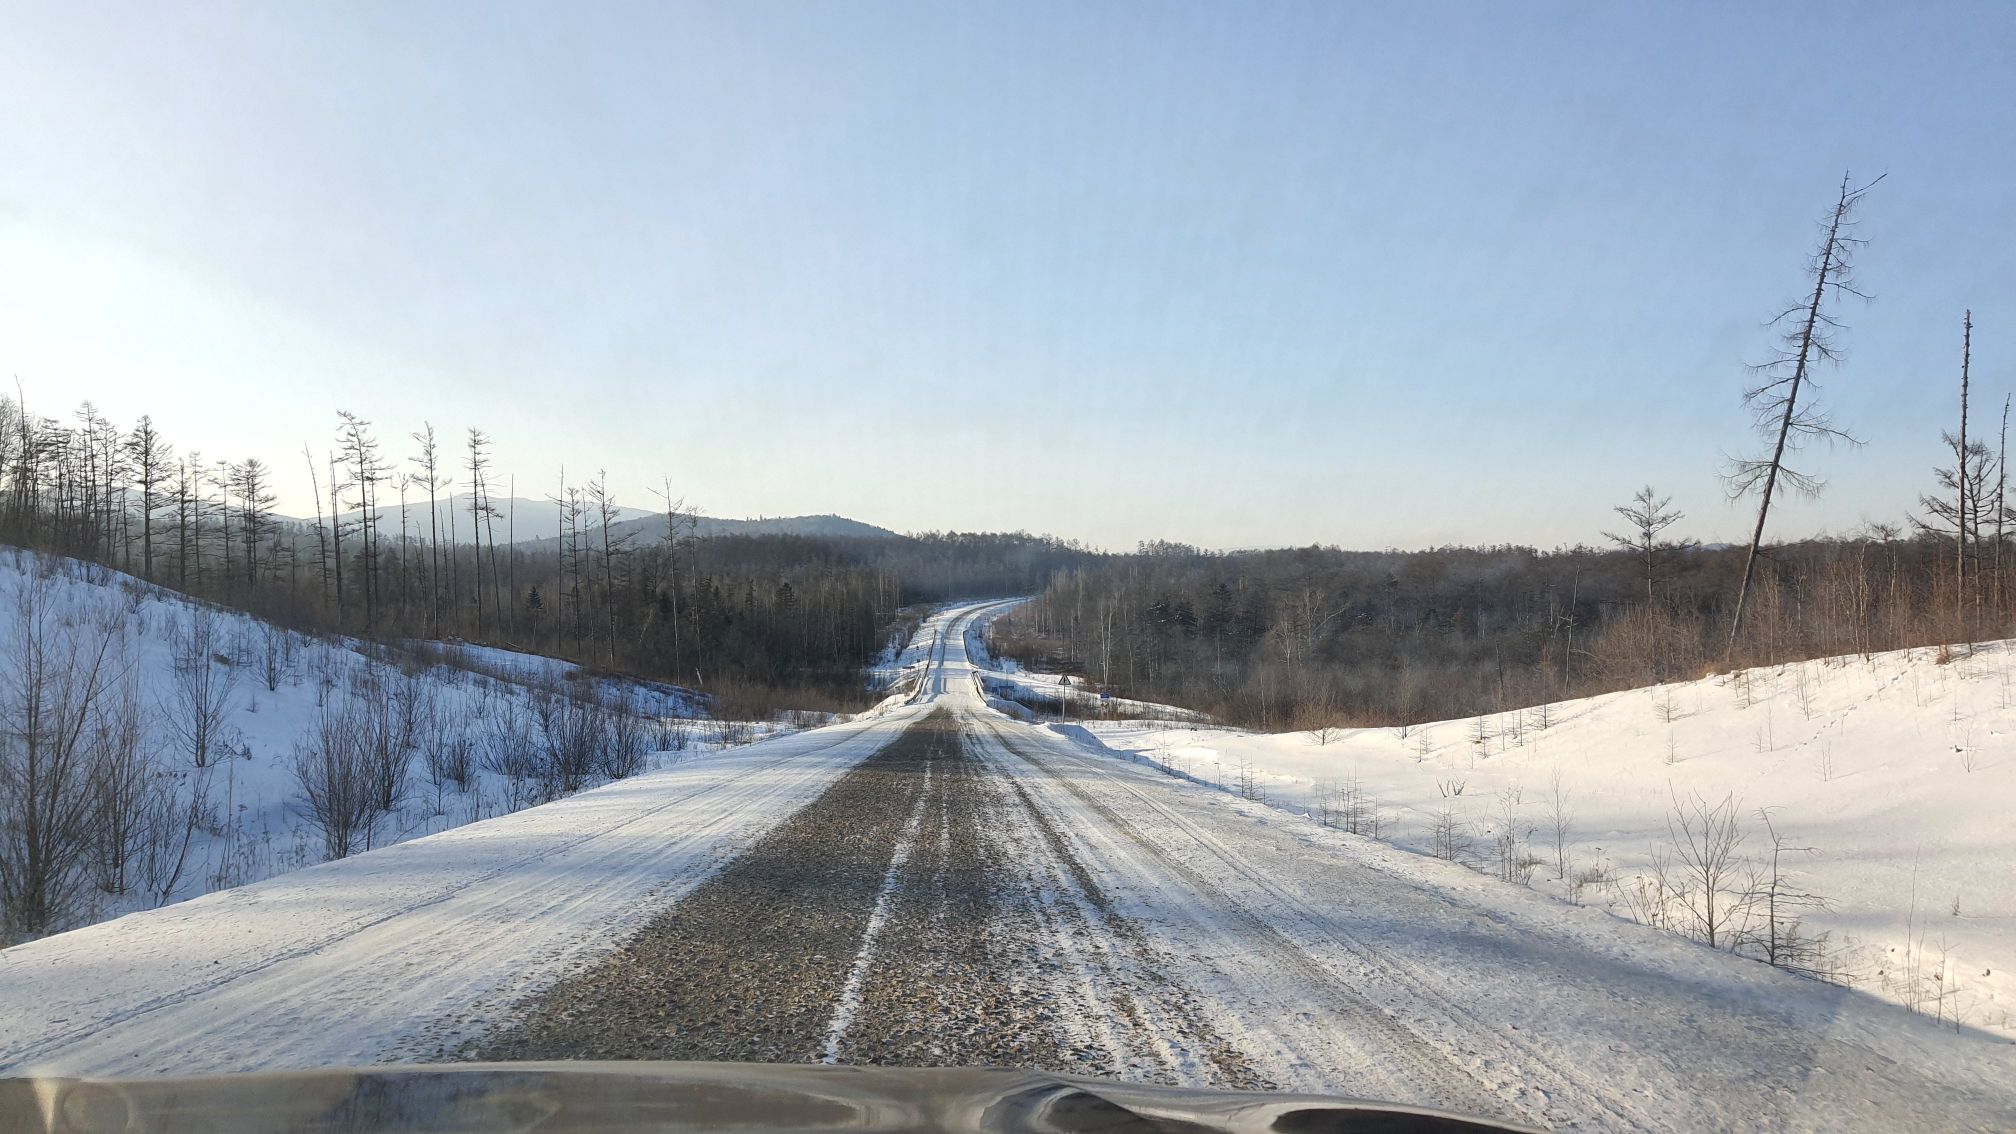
{"x": 656, "y": 525}
{"x": 419, "y": 545}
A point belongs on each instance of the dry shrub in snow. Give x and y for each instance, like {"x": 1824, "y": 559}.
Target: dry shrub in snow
{"x": 334, "y": 769}
{"x": 66, "y": 703}
{"x": 198, "y": 705}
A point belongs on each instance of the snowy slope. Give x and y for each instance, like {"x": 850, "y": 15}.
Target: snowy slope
{"x": 1898, "y": 771}
{"x": 648, "y": 698}
{"x": 254, "y": 826}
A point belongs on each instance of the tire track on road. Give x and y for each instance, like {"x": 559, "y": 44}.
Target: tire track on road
{"x": 1535, "y": 1065}
{"x": 1403, "y": 1063}
{"x": 1159, "y": 1032}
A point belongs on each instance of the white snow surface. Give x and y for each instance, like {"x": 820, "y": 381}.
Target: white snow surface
{"x": 646, "y": 698}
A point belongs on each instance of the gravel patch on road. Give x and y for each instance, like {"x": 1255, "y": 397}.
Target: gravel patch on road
{"x": 751, "y": 963}
{"x": 951, "y": 979}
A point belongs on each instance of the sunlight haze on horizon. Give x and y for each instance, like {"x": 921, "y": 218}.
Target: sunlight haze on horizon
{"x": 1234, "y": 275}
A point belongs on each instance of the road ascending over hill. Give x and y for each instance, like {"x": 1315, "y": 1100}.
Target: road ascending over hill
{"x": 944, "y": 883}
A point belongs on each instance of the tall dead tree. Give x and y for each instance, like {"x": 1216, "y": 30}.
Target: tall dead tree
{"x": 99, "y": 451}
{"x": 367, "y": 471}
{"x": 614, "y": 546}
{"x": 184, "y": 497}
{"x": 193, "y": 477}
{"x": 406, "y": 566}
{"x": 490, "y": 514}
{"x": 2001, "y": 502}
{"x": 560, "y": 553}
{"x": 480, "y": 511}
{"x": 321, "y": 535}
{"x": 1960, "y": 483}
{"x": 1774, "y": 400}
{"x": 573, "y": 546}
{"x": 676, "y": 518}
{"x": 336, "y": 487}
{"x": 1962, "y": 512}
{"x": 149, "y": 455}
{"x": 250, "y": 480}
{"x": 430, "y": 475}
{"x": 220, "y": 477}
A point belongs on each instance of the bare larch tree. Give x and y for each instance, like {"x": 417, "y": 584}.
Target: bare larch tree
{"x": 149, "y": 456}
{"x": 2001, "y": 498}
{"x": 430, "y": 475}
{"x": 1650, "y": 515}
{"x": 1780, "y": 416}
{"x": 1961, "y": 511}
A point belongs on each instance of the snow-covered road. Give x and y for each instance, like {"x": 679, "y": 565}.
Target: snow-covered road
{"x": 358, "y": 960}
{"x": 987, "y": 889}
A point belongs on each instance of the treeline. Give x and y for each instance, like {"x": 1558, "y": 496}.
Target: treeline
{"x": 1317, "y": 636}
{"x": 419, "y": 546}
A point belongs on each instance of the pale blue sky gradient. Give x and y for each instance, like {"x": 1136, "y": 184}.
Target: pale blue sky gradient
{"x": 1235, "y": 274}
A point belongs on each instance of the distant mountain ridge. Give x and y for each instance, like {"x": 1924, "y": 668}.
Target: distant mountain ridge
{"x": 538, "y": 521}
{"x": 652, "y": 527}
{"x": 823, "y": 524}
{"x": 530, "y": 515}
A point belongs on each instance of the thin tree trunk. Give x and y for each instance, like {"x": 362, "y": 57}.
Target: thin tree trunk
{"x": 433, "y": 550}
{"x": 336, "y": 536}
{"x": 510, "y": 549}
{"x": 1960, "y": 482}
{"x": 2001, "y": 493}
{"x": 1800, "y": 364}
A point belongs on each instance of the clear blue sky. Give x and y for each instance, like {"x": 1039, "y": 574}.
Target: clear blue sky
{"x": 1236, "y": 274}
